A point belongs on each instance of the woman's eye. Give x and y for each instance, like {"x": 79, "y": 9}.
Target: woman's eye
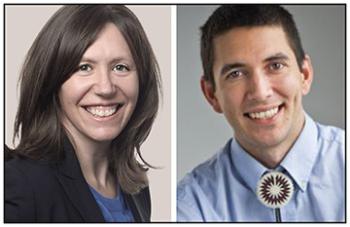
{"x": 85, "y": 68}
{"x": 121, "y": 67}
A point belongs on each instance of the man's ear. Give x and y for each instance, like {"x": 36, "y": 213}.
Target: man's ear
{"x": 209, "y": 93}
{"x": 307, "y": 74}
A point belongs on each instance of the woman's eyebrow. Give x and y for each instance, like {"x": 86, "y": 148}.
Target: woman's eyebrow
{"x": 115, "y": 59}
{"x": 88, "y": 59}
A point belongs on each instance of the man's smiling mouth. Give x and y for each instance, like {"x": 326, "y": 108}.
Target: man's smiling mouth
{"x": 266, "y": 114}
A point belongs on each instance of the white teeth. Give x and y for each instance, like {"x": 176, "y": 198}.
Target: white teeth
{"x": 263, "y": 115}
{"x": 102, "y": 111}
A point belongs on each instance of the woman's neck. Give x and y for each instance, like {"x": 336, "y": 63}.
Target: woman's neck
{"x": 93, "y": 159}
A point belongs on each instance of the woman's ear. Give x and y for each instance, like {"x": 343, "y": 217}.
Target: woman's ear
{"x": 208, "y": 90}
{"x": 307, "y": 74}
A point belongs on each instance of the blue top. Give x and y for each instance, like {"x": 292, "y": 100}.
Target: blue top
{"x": 115, "y": 209}
{"x": 223, "y": 188}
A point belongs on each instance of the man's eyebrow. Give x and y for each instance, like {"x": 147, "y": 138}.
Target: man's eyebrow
{"x": 278, "y": 56}
{"x": 228, "y": 67}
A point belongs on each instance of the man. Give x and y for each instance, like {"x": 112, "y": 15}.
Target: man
{"x": 256, "y": 73}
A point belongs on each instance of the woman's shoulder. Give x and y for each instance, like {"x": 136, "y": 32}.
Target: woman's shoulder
{"x": 27, "y": 163}
{"x": 33, "y": 170}
{"x": 26, "y": 177}
{"x": 31, "y": 186}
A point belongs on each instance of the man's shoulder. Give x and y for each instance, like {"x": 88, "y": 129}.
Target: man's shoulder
{"x": 330, "y": 133}
{"x": 331, "y": 144}
{"x": 199, "y": 191}
{"x": 207, "y": 174}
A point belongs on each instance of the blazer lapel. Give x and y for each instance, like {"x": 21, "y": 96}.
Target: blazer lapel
{"x": 140, "y": 205}
{"x": 130, "y": 201}
{"x": 72, "y": 180}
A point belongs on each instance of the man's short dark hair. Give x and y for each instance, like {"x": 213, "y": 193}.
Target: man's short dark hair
{"x": 227, "y": 17}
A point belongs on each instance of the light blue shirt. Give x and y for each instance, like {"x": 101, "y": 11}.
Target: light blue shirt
{"x": 223, "y": 188}
{"x": 113, "y": 209}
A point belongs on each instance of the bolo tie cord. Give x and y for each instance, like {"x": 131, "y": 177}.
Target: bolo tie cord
{"x": 278, "y": 215}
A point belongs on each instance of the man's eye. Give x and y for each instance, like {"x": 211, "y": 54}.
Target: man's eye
{"x": 121, "y": 67}
{"x": 235, "y": 74}
{"x": 85, "y": 67}
{"x": 276, "y": 66}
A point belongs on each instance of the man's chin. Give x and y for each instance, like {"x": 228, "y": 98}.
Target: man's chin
{"x": 263, "y": 142}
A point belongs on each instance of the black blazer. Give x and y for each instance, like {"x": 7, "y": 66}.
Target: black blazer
{"x": 43, "y": 191}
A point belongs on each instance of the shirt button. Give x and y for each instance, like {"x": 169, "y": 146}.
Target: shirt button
{"x": 303, "y": 184}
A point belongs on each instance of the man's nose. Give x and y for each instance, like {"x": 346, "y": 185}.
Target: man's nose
{"x": 259, "y": 87}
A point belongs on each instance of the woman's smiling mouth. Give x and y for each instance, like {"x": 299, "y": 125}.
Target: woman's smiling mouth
{"x": 103, "y": 111}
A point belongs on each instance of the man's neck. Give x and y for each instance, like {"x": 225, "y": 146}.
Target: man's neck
{"x": 272, "y": 156}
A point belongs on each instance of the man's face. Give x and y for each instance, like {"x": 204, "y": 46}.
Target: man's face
{"x": 259, "y": 86}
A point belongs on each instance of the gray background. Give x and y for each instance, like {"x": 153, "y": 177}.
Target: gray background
{"x": 201, "y": 131}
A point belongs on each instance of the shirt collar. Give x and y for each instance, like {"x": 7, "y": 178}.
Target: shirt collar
{"x": 301, "y": 157}
{"x": 298, "y": 162}
{"x": 248, "y": 167}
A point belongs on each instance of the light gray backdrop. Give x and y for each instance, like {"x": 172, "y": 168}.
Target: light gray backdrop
{"x": 201, "y": 131}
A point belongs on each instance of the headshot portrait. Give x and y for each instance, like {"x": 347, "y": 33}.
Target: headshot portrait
{"x": 87, "y": 113}
{"x": 261, "y": 113}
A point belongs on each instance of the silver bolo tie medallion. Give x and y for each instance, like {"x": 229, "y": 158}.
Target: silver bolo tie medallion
{"x": 275, "y": 190}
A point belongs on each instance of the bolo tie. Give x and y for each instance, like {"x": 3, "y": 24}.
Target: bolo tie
{"x": 275, "y": 190}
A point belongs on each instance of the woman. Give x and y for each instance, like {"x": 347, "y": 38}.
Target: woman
{"x": 89, "y": 95}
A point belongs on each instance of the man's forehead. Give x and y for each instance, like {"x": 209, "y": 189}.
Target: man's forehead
{"x": 242, "y": 33}
{"x": 248, "y": 41}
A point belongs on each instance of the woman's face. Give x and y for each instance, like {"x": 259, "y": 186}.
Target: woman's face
{"x": 98, "y": 100}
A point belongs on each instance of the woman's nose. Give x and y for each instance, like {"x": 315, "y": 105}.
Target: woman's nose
{"x": 104, "y": 85}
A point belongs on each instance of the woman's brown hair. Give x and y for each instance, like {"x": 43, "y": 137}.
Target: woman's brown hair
{"x": 53, "y": 58}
